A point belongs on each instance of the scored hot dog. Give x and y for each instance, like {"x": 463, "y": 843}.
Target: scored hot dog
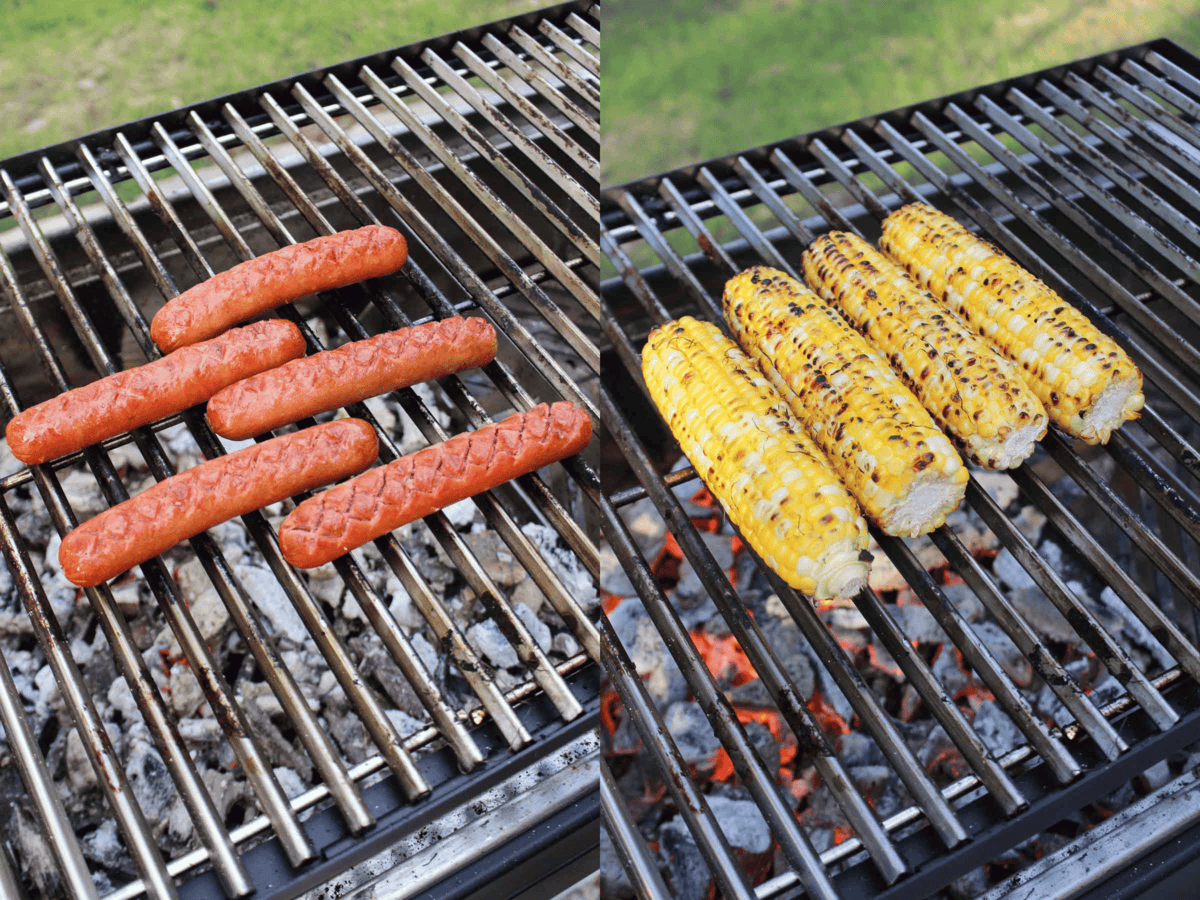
{"x": 258, "y": 285}
{"x": 138, "y": 396}
{"x": 352, "y": 372}
{"x": 336, "y": 521}
{"x": 182, "y": 506}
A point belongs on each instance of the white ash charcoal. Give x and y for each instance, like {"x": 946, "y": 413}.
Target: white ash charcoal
{"x": 1111, "y": 618}
{"x": 180, "y": 446}
{"x": 429, "y": 655}
{"x": 564, "y": 645}
{"x": 692, "y": 732}
{"x": 1048, "y": 706}
{"x": 996, "y": 729}
{"x": 80, "y": 772}
{"x": 179, "y": 824}
{"x": 613, "y": 579}
{"x": 946, "y": 670}
{"x": 846, "y": 618}
{"x": 401, "y": 605}
{"x": 404, "y": 724}
{"x": 1030, "y": 520}
{"x": 1137, "y": 632}
{"x": 1005, "y": 652}
{"x": 1042, "y": 616}
{"x": 881, "y": 660}
{"x": 856, "y": 748}
{"x": 490, "y": 642}
{"x": 1106, "y": 690}
{"x": 537, "y": 628}
{"x": 383, "y": 413}
{"x": 742, "y": 822}
{"x": 528, "y": 595}
{"x": 32, "y": 853}
{"x": 325, "y": 585}
{"x": 103, "y": 846}
{"x": 278, "y": 750}
{"x": 378, "y": 664}
{"x": 260, "y": 695}
{"x": 231, "y": 536}
{"x": 200, "y": 731}
{"x": 120, "y": 699}
{"x": 971, "y": 885}
{"x": 268, "y": 595}
{"x": 150, "y": 780}
{"x": 1157, "y": 775}
{"x": 14, "y": 619}
{"x": 9, "y": 464}
{"x": 614, "y": 883}
{"x": 1011, "y": 573}
{"x": 349, "y": 733}
{"x": 47, "y": 699}
{"x": 764, "y": 744}
{"x": 918, "y": 624}
{"x": 965, "y": 601}
{"x": 464, "y": 514}
{"x": 289, "y": 781}
{"x": 999, "y": 486}
{"x": 643, "y": 643}
{"x": 687, "y": 872}
{"x": 127, "y": 595}
{"x": 495, "y": 558}
{"x": 351, "y": 610}
{"x": 224, "y": 790}
{"x": 186, "y": 693}
{"x": 566, "y": 565}
{"x": 83, "y": 493}
{"x": 646, "y": 526}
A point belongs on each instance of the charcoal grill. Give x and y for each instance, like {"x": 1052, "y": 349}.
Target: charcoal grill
{"x": 1086, "y": 174}
{"x": 481, "y": 146}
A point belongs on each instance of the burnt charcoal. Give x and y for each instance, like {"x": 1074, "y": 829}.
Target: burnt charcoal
{"x": 800, "y": 670}
{"x": 825, "y": 809}
{"x": 965, "y": 601}
{"x": 1005, "y": 652}
{"x": 686, "y": 869}
{"x": 614, "y": 883}
{"x": 31, "y": 852}
{"x": 918, "y": 624}
{"x": 939, "y": 755}
{"x": 742, "y": 823}
{"x": 1042, "y": 616}
{"x": 995, "y": 727}
{"x": 645, "y": 647}
{"x": 765, "y": 744}
{"x": 692, "y": 732}
{"x": 859, "y": 749}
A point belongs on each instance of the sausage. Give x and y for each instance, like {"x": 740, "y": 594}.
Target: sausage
{"x": 275, "y": 278}
{"x": 126, "y": 400}
{"x": 336, "y": 521}
{"x": 352, "y": 372}
{"x": 185, "y": 504}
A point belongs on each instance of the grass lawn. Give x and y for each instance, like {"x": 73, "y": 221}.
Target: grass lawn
{"x": 69, "y": 67}
{"x": 686, "y": 80}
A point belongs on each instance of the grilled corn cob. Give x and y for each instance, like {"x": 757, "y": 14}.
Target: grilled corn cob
{"x": 975, "y": 394}
{"x": 904, "y": 472}
{"x": 776, "y": 486}
{"x": 1087, "y": 383}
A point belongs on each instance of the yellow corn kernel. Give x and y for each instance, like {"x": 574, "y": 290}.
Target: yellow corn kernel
{"x": 774, "y": 483}
{"x": 882, "y": 443}
{"x": 1088, "y": 384}
{"x": 976, "y": 395}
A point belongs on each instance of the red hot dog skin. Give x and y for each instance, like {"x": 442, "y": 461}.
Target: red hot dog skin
{"x": 138, "y": 396}
{"x": 186, "y": 504}
{"x": 336, "y": 521}
{"x": 281, "y": 276}
{"x": 352, "y": 372}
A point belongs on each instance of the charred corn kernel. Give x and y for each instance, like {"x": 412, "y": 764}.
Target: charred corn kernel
{"x": 904, "y": 472}
{"x": 776, "y": 486}
{"x": 975, "y": 394}
{"x": 1088, "y": 384}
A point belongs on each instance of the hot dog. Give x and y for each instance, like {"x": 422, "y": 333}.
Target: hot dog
{"x": 185, "y": 504}
{"x": 138, "y": 396}
{"x": 324, "y": 527}
{"x": 275, "y": 278}
{"x": 352, "y": 372}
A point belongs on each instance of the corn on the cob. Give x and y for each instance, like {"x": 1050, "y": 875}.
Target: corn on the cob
{"x": 770, "y": 477}
{"x": 904, "y": 472}
{"x": 975, "y": 394}
{"x": 1087, "y": 383}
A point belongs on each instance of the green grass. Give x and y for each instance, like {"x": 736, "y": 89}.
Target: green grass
{"x": 68, "y": 67}
{"x": 692, "y": 79}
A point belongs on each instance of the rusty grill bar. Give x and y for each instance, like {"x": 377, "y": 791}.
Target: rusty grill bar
{"x": 492, "y": 131}
{"x": 1088, "y": 175}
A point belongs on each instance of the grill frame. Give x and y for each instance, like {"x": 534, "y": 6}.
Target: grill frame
{"x": 646, "y": 210}
{"x": 532, "y": 719}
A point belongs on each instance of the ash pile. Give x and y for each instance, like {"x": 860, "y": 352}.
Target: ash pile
{"x": 823, "y": 822}
{"x": 233, "y": 796}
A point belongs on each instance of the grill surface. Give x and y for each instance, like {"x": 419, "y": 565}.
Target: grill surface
{"x": 1087, "y": 175}
{"x": 481, "y": 147}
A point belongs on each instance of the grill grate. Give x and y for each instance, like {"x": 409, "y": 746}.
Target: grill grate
{"x": 482, "y": 148}
{"x": 1086, "y": 175}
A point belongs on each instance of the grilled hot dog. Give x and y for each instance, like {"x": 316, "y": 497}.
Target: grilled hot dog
{"x": 275, "y": 278}
{"x": 352, "y": 372}
{"x": 127, "y": 400}
{"x": 324, "y": 527}
{"x": 185, "y": 504}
